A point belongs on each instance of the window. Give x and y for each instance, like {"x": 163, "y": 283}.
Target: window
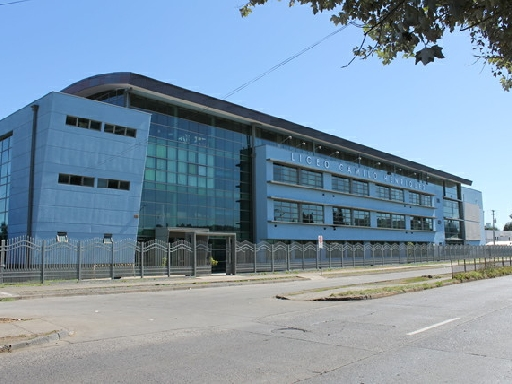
{"x": 82, "y": 181}
{"x": 361, "y": 218}
{"x": 426, "y": 200}
{"x": 419, "y": 199}
{"x": 286, "y": 211}
{"x": 83, "y": 123}
{"x": 341, "y": 216}
{"x": 382, "y": 192}
{"x": 120, "y": 130}
{"x": 359, "y": 188}
{"x": 310, "y": 178}
{"x": 312, "y": 213}
{"x": 296, "y": 176}
{"x": 414, "y": 198}
{"x": 291, "y": 212}
{"x": 114, "y": 184}
{"x": 451, "y": 209}
{"x": 347, "y": 216}
{"x": 383, "y": 220}
{"x": 396, "y": 194}
{"x": 285, "y": 174}
{"x": 451, "y": 190}
{"x": 341, "y": 184}
{"x": 422, "y": 223}
{"x": 398, "y": 221}
{"x": 390, "y": 220}
{"x": 452, "y": 229}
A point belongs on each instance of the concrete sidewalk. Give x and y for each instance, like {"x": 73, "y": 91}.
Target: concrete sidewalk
{"x": 19, "y": 333}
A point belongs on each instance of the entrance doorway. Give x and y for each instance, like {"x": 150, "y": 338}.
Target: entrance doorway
{"x": 222, "y": 253}
{"x": 221, "y": 246}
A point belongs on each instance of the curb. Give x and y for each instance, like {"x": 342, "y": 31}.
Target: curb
{"x": 137, "y": 288}
{"x": 38, "y": 340}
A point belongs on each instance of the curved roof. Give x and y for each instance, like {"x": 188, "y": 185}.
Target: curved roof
{"x": 122, "y": 80}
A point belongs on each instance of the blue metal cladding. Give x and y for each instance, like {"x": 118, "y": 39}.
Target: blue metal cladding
{"x": 272, "y": 228}
{"x": 83, "y": 212}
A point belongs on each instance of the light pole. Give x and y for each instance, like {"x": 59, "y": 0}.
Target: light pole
{"x": 493, "y": 228}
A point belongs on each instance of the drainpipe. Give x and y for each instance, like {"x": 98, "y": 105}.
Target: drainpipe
{"x": 30, "y": 210}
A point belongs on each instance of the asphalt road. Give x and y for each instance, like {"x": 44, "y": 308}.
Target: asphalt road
{"x": 242, "y": 334}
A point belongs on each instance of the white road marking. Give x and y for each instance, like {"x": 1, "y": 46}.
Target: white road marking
{"x": 5, "y": 293}
{"x": 432, "y": 326}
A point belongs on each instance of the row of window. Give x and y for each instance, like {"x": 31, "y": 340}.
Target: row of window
{"x": 85, "y": 181}
{"x": 95, "y": 125}
{"x": 296, "y": 176}
{"x": 292, "y": 212}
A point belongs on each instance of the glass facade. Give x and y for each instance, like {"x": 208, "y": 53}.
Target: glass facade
{"x": 198, "y": 172}
{"x": 5, "y": 176}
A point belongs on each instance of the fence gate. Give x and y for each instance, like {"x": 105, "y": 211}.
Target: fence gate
{"x": 222, "y": 246}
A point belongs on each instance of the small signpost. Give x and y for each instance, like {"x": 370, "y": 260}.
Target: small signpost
{"x": 320, "y": 245}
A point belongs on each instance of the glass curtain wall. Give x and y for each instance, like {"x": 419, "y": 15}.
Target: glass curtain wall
{"x": 198, "y": 172}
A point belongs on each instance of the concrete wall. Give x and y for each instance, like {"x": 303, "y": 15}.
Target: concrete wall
{"x": 82, "y": 212}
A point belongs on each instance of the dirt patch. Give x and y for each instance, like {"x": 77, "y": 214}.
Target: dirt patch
{"x": 8, "y": 320}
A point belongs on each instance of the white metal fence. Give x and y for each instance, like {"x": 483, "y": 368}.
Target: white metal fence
{"x": 27, "y": 259}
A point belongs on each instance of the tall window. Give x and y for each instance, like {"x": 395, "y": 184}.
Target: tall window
{"x": 451, "y": 209}
{"x": 451, "y": 190}
{"x": 5, "y": 181}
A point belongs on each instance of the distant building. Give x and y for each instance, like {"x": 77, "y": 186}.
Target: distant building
{"x": 126, "y": 156}
{"x": 500, "y": 237}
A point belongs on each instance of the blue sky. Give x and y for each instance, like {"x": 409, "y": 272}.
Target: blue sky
{"x": 450, "y": 115}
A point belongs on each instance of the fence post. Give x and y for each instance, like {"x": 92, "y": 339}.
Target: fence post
{"x": 168, "y": 259}
{"x": 2, "y": 260}
{"x": 79, "y": 261}
{"x": 288, "y": 256}
{"x": 302, "y": 252}
{"x": 255, "y": 256}
{"x": 42, "y": 261}
{"x": 317, "y": 254}
{"x": 272, "y": 259}
{"x": 194, "y": 255}
{"x": 142, "y": 252}
{"x": 112, "y": 260}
